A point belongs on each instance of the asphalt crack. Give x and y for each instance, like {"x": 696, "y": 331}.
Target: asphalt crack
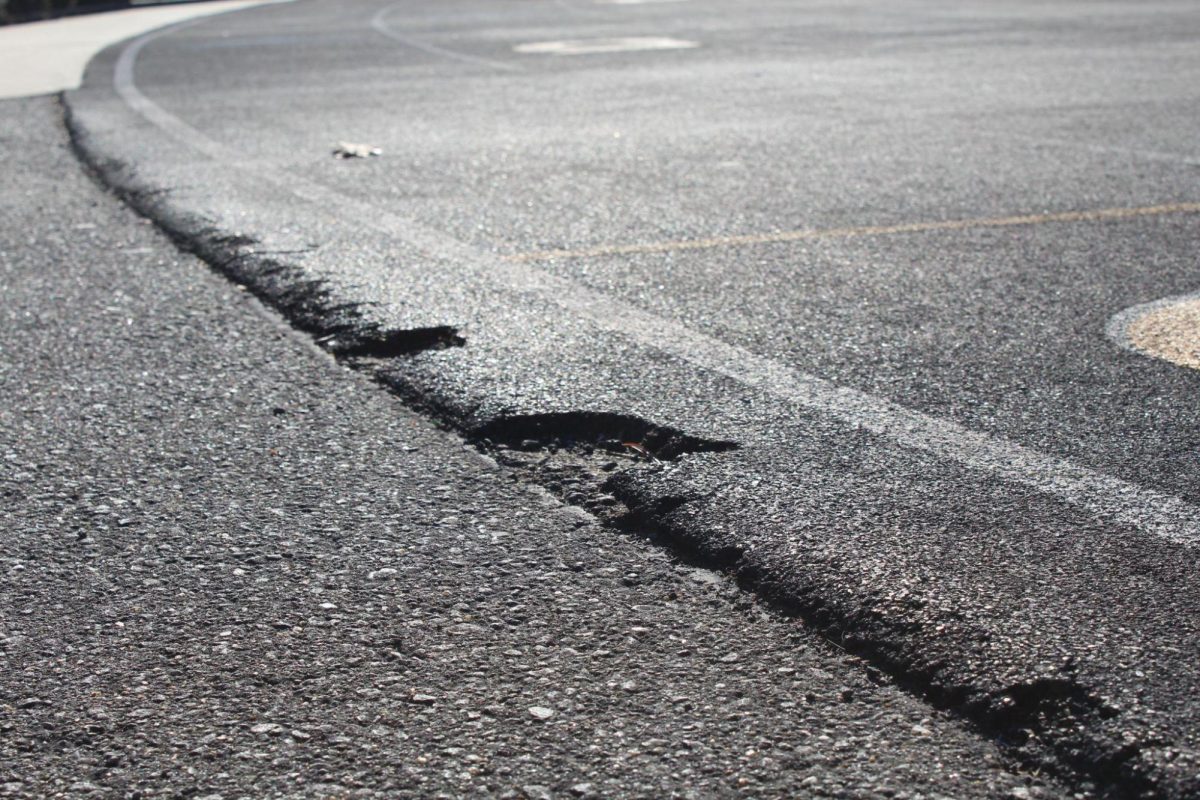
{"x": 394, "y": 343}
{"x": 601, "y": 461}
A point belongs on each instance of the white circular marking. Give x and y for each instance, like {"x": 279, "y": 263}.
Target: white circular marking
{"x": 1168, "y": 329}
{"x": 579, "y": 47}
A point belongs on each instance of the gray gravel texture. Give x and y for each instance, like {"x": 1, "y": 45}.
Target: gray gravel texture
{"x": 234, "y": 568}
{"x": 1072, "y": 633}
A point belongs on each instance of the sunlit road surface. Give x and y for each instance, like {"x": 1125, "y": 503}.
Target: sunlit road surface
{"x": 881, "y": 252}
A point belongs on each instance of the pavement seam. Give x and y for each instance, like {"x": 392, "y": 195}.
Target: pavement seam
{"x": 655, "y": 519}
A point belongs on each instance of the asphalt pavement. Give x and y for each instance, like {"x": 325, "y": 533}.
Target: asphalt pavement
{"x": 235, "y": 568}
{"x": 827, "y": 297}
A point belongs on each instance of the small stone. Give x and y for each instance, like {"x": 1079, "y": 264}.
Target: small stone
{"x": 1020, "y": 793}
{"x": 381, "y": 574}
{"x": 424, "y": 699}
{"x": 705, "y": 576}
{"x": 541, "y": 712}
{"x": 583, "y": 790}
{"x": 729, "y": 658}
{"x": 301, "y": 736}
{"x": 267, "y": 729}
{"x": 535, "y": 792}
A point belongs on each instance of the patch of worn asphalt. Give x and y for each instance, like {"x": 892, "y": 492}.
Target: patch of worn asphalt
{"x": 232, "y": 568}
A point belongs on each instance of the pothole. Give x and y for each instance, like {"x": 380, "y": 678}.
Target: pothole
{"x": 394, "y": 343}
{"x": 576, "y": 455}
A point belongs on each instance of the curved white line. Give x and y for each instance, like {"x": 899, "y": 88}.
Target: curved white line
{"x": 380, "y": 26}
{"x": 1111, "y": 499}
{"x": 622, "y": 44}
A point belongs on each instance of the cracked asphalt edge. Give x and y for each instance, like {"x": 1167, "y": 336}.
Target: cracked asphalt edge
{"x": 1038, "y": 722}
{"x": 98, "y": 633}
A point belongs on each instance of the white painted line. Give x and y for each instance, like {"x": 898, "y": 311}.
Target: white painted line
{"x": 380, "y": 25}
{"x": 572, "y": 7}
{"x": 620, "y": 44}
{"x": 1108, "y": 498}
{"x": 45, "y": 57}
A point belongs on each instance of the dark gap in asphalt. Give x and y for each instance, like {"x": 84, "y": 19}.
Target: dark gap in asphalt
{"x": 590, "y": 431}
{"x": 394, "y": 343}
{"x": 576, "y": 455}
{"x": 1036, "y": 722}
{"x": 587, "y": 460}
{"x": 598, "y": 462}
{"x": 306, "y": 303}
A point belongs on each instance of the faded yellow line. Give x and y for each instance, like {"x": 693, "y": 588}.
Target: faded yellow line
{"x": 847, "y": 233}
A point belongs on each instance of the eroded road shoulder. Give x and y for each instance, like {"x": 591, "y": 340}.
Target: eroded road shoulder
{"x": 231, "y": 567}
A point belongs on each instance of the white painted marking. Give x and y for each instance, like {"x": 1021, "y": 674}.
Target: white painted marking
{"x": 44, "y": 57}
{"x": 621, "y": 44}
{"x": 380, "y": 25}
{"x": 1108, "y": 498}
{"x": 570, "y": 6}
{"x": 1123, "y": 329}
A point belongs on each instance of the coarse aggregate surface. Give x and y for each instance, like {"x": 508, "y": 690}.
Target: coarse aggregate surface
{"x": 234, "y": 568}
{"x": 944, "y": 460}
